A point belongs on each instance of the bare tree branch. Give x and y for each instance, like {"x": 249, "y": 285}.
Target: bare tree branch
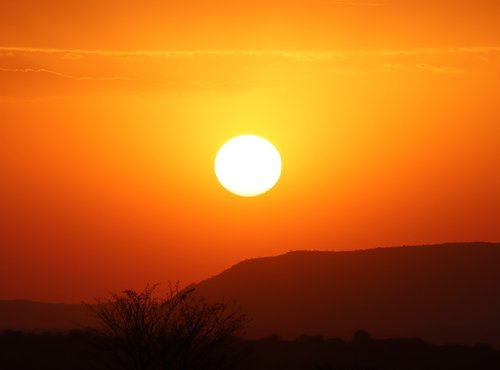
{"x": 179, "y": 331}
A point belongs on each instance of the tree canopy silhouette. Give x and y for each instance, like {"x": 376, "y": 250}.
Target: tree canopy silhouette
{"x": 146, "y": 331}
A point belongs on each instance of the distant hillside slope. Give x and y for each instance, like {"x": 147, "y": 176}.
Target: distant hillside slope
{"x": 443, "y": 293}
{"x": 37, "y": 316}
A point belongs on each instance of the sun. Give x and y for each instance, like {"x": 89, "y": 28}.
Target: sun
{"x": 248, "y": 165}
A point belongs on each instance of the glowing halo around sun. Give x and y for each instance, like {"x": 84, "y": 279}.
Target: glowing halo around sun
{"x": 248, "y": 165}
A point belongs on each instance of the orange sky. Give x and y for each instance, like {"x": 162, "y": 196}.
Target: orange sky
{"x": 111, "y": 113}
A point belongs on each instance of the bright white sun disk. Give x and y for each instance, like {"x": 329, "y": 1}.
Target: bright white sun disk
{"x": 248, "y": 165}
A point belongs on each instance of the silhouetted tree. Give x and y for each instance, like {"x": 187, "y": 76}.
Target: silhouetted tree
{"x": 180, "y": 331}
{"x": 361, "y": 337}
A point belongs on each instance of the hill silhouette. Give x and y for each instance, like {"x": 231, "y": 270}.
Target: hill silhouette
{"x": 40, "y": 316}
{"x": 446, "y": 293}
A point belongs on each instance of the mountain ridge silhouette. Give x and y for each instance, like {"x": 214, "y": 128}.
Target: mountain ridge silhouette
{"x": 446, "y": 293}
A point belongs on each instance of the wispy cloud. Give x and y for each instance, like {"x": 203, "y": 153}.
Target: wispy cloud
{"x": 391, "y": 67}
{"x": 483, "y": 58}
{"x": 72, "y": 56}
{"x": 45, "y": 71}
{"x": 429, "y": 51}
{"x": 192, "y": 83}
{"x": 354, "y": 3}
{"x": 423, "y": 66}
{"x": 36, "y": 99}
{"x": 63, "y": 75}
{"x": 297, "y": 55}
{"x": 441, "y": 69}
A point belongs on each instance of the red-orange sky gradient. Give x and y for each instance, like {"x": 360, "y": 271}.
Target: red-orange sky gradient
{"x": 386, "y": 115}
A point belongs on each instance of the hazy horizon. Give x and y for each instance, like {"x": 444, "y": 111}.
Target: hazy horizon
{"x": 164, "y": 284}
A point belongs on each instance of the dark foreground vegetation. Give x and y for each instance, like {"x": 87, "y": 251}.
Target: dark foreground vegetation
{"x": 77, "y": 350}
{"x": 180, "y": 330}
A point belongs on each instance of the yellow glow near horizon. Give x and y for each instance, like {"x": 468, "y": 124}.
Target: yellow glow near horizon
{"x": 248, "y": 165}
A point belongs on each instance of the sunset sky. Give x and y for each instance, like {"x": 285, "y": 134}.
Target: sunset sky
{"x": 386, "y": 115}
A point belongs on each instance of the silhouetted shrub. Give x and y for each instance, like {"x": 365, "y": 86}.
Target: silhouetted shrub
{"x": 144, "y": 331}
{"x": 361, "y": 337}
